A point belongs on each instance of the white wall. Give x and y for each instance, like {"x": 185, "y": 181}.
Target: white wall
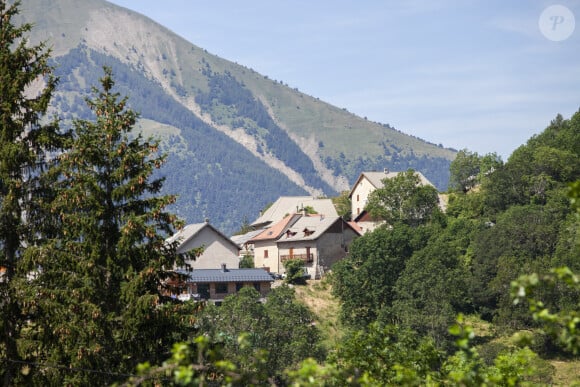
{"x": 216, "y": 251}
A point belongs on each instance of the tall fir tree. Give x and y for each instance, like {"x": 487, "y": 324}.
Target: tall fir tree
{"x": 27, "y": 140}
{"x": 103, "y": 307}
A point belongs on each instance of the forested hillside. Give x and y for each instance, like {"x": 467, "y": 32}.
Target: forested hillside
{"x": 236, "y": 139}
{"x": 483, "y": 294}
{"x": 503, "y": 221}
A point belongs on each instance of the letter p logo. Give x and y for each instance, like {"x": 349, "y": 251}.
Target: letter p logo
{"x": 557, "y": 23}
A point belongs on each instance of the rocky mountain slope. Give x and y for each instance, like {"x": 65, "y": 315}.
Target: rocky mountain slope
{"x": 236, "y": 140}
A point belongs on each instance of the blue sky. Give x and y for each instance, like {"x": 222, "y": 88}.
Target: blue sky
{"x": 468, "y": 74}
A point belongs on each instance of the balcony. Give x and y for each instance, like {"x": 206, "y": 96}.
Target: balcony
{"x": 307, "y": 258}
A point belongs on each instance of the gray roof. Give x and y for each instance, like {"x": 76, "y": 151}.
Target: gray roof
{"x": 317, "y": 225}
{"x": 229, "y": 275}
{"x": 291, "y": 204}
{"x": 376, "y": 178}
{"x": 240, "y": 240}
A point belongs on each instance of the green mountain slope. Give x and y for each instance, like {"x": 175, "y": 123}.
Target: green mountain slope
{"x": 236, "y": 139}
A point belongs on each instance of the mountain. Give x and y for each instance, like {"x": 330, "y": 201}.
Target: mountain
{"x": 236, "y": 140}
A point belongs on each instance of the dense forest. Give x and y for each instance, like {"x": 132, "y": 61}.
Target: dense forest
{"x": 84, "y": 280}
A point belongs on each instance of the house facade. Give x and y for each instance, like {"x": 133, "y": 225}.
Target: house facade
{"x": 266, "y": 255}
{"x": 218, "y": 249}
{"x": 317, "y": 240}
{"x": 214, "y": 285}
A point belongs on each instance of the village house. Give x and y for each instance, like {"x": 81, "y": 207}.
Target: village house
{"x": 265, "y": 246}
{"x": 214, "y": 285}
{"x": 318, "y": 240}
{"x": 286, "y": 205}
{"x": 218, "y": 249}
{"x": 366, "y": 183}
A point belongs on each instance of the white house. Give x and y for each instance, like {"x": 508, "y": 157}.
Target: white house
{"x": 218, "y": 249}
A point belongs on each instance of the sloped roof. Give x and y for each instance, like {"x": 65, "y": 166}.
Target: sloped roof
{"x": 376, "y": 179}
{"x": 277, "y": 229}
{"x": 240, "y": 240}
{"x": 191, "y": 230}
{"x": 228, "y": 275}
{"x": 310, "y": 228}
{"x": 356, "y": 227}
{"x": 291, "y": 204}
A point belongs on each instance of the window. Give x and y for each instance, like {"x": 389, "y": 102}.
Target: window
{"x": 203, "y": 291}
{"x": 221, "y": 288}
{"x": 309, "y": 257}
{"x": 265, "y": 253}
{"x": 239, "y": 286}
{"x": 257, "y": 286}
{"x": 357, "y": 198}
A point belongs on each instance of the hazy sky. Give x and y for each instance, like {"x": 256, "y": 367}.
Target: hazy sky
{"x": 481, "y": 75}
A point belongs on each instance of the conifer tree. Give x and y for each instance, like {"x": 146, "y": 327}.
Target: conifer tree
{"x": 27, "y": 139}
{"x": 103, "y": 307}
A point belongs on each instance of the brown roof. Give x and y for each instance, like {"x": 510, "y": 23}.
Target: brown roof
{"x": 277, "y": 229}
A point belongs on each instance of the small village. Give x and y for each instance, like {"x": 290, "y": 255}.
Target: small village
{"x": 293, "y": 228}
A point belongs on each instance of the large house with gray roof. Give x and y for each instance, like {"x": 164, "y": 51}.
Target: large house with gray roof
{"x": 318, "y": 240}
{"x": 286, "y": 205}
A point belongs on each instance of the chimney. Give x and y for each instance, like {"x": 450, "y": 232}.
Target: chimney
{"x": 224, "y": 269}
{"x": 206, "y": 220}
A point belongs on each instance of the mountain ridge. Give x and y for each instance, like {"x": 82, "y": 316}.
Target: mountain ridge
{"x": 316, "y": 146}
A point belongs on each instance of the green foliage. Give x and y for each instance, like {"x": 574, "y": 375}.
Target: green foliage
{"x": 27, "y": 143}
{"x": 563, "y": 325}
{"x": 512, "y": 367}
{"x": 200, "y": 362}
{"x": 309, "y": 210}
{"x": 547, "y": 162}
{"x": 343, "y": 205}
{"x": 244, "y": 228}
{"x": 247, "y": 262}
{"x": 380, "y": 353}
{"x": 294, "y": 271}
{"x": 403, "y": 199}
{"x": 468, "y": 169}
{"x": 432, "y": 288}
{"x": 364, "y": 280}
{"x": 292, "y": 334}
{"x": 101, "y": 273}
{"x": 521, "y": 241}
{"x": 281, "y": 329}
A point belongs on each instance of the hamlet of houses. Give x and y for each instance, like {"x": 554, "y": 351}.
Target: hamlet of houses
{"x": 293, "y": 227}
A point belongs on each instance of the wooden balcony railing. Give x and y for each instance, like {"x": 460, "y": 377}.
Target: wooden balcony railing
{"x": 304, "y": 257}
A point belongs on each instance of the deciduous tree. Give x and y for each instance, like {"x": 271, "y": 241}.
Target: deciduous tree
{"x": 403, "y": 199}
